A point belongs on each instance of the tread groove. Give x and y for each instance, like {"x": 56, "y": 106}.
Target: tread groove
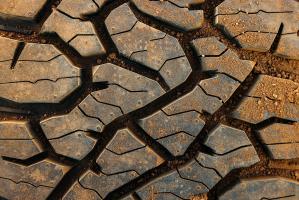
{"x": 23, "y": 31}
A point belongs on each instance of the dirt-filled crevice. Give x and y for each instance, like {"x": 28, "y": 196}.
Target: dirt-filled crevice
{"x": 266, "y": 63}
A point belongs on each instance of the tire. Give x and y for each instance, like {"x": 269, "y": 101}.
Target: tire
{"x": 141, "y": 100}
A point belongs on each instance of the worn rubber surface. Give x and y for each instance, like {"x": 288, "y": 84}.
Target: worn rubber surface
{"x": 149, "y": 100}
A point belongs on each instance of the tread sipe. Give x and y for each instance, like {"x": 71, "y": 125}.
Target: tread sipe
{"x": 149, "y": 99}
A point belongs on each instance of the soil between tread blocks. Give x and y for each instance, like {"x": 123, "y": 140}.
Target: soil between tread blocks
{"x": 146, "y": 100}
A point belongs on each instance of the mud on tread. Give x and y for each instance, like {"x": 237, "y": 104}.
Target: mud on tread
{"x": 104, "y": 99}
{"x": 256, "y": 24}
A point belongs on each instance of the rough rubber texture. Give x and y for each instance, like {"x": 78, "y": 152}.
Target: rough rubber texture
{"x": 70, "y": 27}
{"x": 270, "y": 97}
{"x": 21, "y": 8}
{"x": 53, "y": 79}
{"x": 140, "y": 100}
{"x": 264, "y": 188}
{"x": 151, "y": 47}
{"x": 281, "y": 140}
{"x": 174, "y": 12}
{"x": 33, "y": 182}
{"x": 256, "y": 24}
{"x": 232, "y": 150}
